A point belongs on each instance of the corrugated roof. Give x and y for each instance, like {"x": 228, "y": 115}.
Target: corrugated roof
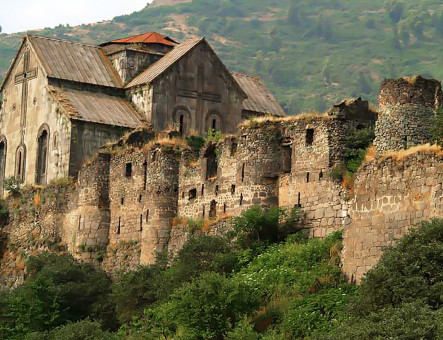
{"x": 74, "y": 61}
{"x": 146, "y": 38}
{"x": 96, "y": 107}
{"x": 260, "y": 99}
{"x": 164, "y": 63}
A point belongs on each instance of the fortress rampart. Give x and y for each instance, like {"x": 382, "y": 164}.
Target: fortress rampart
{"x": 134, "y": 200}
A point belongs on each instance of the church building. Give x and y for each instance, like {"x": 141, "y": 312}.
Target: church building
{"x": 62, "y": 100}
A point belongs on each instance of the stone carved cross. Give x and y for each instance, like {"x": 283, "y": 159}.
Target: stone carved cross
{"x": 200, "y": 94}
{"x": 23, "y": 78}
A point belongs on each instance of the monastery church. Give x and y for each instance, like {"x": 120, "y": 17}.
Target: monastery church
{"x": 62, "y": 100}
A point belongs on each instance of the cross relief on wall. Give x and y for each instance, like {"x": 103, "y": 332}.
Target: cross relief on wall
{"x": 23, "y": 78}
{"x": 199, "y": 93}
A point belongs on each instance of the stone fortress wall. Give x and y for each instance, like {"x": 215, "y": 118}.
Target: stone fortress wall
{"x": 134, "y": 200}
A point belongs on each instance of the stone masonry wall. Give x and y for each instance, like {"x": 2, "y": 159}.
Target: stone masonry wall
{"x": 407, "y": 106}
{"x": 391, "y": 195}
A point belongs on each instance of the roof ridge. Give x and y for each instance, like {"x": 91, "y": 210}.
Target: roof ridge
{"x": 188, "y": 43}
{"x": 246, "y": 75}
{"x": 62, "y": 40}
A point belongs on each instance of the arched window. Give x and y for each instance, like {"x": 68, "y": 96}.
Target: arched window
{"x": 182, "y": 120}
{"x": 182, "y": 124}
{"x": 20, "y": 163}
{"x": 42, "y": 155}
{"x": 214, "y": 122}
{"x": 2, "y": 160}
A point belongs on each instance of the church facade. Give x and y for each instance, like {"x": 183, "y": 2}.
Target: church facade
{"x": 63, "y": 100}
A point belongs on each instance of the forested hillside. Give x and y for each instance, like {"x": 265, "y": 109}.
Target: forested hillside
{"x": 311, "y": 53}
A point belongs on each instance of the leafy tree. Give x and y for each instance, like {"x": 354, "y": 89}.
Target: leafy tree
{"x": 293, "y": 15}
{"x": 58, "y": 290}
{"x": 408, "y": 321}
{"x": 402, "y": 296}
{"x": 85, "y": 330}
{"x": 356, "y": 146}
{"x": 395, "y": 10}
{"x": 204, "y": 253}
{"x": 134, "y": 291}
{"x": 196, "y": 143}
{"x": 256, "y": 226}
{"x": 243, "y": 331}
{"x": 209, "y": 306}
{"x": 410, "y": 271}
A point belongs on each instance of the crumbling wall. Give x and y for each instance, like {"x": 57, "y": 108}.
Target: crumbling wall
{"x": 309, "y": 185}
{"x": 391, "y": 195}
{"x": 86, "y": 225}
{"x": 35, "y": 224}
{"x": 407, "y": 106}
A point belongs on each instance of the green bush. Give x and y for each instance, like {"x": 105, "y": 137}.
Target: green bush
{"x": 12, "y": 185}
{"x": 57, "y": 290}
{"x": 134, "y": 291}
{"x": 211, "y": 305}
{"x": 256, "y": 226}
{"x": 356, "y": 146}
{"x": 402, "y": 296}
{"x": 4, "y": 213}
{"x": 82, "y": 330}
{"x": 410, "y": 271}
{"x": 196, "y": 143}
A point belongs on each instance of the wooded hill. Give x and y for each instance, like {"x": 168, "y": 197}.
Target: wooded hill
{"x": 311, "y": 53}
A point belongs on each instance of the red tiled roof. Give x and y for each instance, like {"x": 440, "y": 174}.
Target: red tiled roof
{"x": 146, "y": 38}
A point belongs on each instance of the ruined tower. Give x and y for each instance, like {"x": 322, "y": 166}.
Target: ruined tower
{"x": 407, "y": 106}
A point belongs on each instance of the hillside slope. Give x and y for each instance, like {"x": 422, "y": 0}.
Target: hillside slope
{"x": 311, "y": 54}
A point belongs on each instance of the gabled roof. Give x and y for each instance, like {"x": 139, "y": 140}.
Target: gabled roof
{"x": 146, "y": 38}
{"x": 72, "y": 61}
{"x": 173, "y": 56}
{"x": 156, "y": 69}
{"x": 260, "y": 99}
{"x": 96, "y": 107}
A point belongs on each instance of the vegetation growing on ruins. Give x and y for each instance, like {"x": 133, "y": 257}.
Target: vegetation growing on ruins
{"x": 357, "y": 147}
{"x": 437, "y": 127}
{"x": 258, "y": 287}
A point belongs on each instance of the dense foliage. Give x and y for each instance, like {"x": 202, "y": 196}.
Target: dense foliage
{"x": 311, "y": 53}
{"x": 223, "y": 288}
{"x": 57, "y": 290}
{"x": 401, "y": 297}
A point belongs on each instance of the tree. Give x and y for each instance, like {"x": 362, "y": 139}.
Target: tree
{"x": 211, "y": 305}
{"x": 395, "y": 10}
{"x": 134, "y": 291}
{"x": 402, "y": 296}
{"x": 293, "y": 15}
{"x": 85, "y": 329}
{"x": 58, "y": 290}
